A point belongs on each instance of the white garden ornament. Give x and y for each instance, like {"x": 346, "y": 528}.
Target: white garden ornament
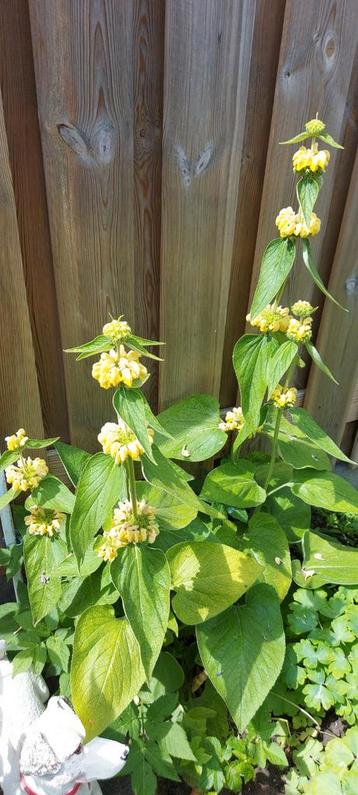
{"x": 41, "y": 747}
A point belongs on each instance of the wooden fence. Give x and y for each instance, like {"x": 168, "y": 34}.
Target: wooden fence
{"x": 140, "y": 173}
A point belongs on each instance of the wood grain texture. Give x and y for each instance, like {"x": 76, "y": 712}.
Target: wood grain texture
{"x": 148, "y": 65}
{"x": 23, "y": 135}
{"x": 314, "y": 76}
{"x": 207, "y": 61}
{"x": 262, "y": 79}
{"x": 19, "y": 394}
{"x": 91, "y": 99}
{"x": 338, "y": 332}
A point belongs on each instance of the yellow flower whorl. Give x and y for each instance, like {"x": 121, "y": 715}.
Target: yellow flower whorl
{"x": 26, "y": 474}
{"x": 272, "y": 318}
{"x": 43, "y": 522}
{"x": 234, "y": 420}
{"x": 284, "y": 397}
{"x": 315, "y": 127}
{"x": 16, "y": 440}
{"x": 119, "y": 441}
{"x": 312, "y": 159}
{"x": 290, "y": 223}
{"x": 299, "y": 329}
{"x": 117, "y": 330}
{"x": 127, "y": 529}
{"x": 123, "y": 367}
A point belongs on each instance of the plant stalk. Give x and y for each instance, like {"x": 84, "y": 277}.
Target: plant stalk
{"x": 274, "y": 448}
{"x": 132, "y": 486}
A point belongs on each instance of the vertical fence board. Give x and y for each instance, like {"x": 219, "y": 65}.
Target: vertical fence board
{"x": 20, "y": 111}
{"x": 84, "y": 62}
{"x": 19, "y": 394}
{"x": 314, "y": 75}
{"x": 265, "y": 53}
{"x": 148, "y": 66}
{"x": 338, "y": 332}
{"x": 207, "y": 60}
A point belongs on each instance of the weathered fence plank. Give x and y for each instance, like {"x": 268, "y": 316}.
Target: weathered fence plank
{"x": 264, "y": 60}
{"x": 314, "y": 76}
{"x": 19, "y": 394}
{"x": 89, "y": 110}
{"x": 23, "y": 136}
{"x": 338, "y": 331}
{"x": 207, "y": 63}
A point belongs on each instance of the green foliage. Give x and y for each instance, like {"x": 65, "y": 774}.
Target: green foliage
{"x": 138, "y": 554}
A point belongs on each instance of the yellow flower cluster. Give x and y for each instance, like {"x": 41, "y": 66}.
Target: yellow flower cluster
{"x": 284, "y": 397}
{"x": 312, "y": 159}
{"x": 119, "y": 441}
{"x": 234, "y": 420}
{"x": 27, "y": 473}
{"x": 122, "y": 367}
{"x": 315, "y": 127}
{"x": 17, "y": 440}
{"x": 272, "y": 318}
{"x": 302, "y": 309}
{"x": 117, "y": 330}
{"x": 299, "y": 330}
{"x": 290, "y": 223}
{"x": 128, "y": 529}
{"x": 43, "y": 521}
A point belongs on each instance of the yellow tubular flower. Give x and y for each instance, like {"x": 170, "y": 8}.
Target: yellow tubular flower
{"x": 315, "y": 127}
{"x": 299, "y": 330}
{"x": 286, "y": 222}
{"x": 17, "y": 440}
{"x": 301, "y": 228}
{"x": 284, "y": 397}
{"x": 302, "y": 308}
{"x": 128, "y": 529}
{"x": 27, "y": 473}
{"x": 234, "y": 420}
{"x": 43, "y": 522}
{"x": 117, "y": 330}
{"x": 312, "y": 159}
{"x": 272, "y": 318}
{"x": 119, "y": 441}
{"x": 123, "y": 367}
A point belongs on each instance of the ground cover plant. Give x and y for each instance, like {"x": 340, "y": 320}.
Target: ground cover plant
{"x": 205, "y": 618}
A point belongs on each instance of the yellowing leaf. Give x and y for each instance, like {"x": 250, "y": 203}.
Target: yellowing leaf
{"x": 208, "y": 577}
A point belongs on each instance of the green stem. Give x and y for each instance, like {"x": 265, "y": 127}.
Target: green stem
{"x": 132, "y": 486}
{"x": 274, "y": 448}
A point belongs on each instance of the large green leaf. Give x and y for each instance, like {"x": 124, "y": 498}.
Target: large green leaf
{"x": 292, "y": 514}
{"x": 172, "y": 513}
{"x": 165, "y": 476}
{"x": 312, "y": 270}
{"x": 318, "y": 361}
{"x": 327, "y": 139}
{"x": 41, "y": 554}
{"x": 251, "y": 357}
{"x": 101, "y": 484}
{"x": 98, "y": 345}
{"x": 79, "y": 593}
{"x": 5, "y": 498}
{"x": 106, "y": 670}
{"x": 268, "y": 543}
{"x": 242, "y": 651}
{"x": 52, "y": 493}
{"x": 7, "y": 458}
{"x": 302, "y": 420}
{"x": 129, "y": 404}
{"x": 73, "y": 460}
{"x": 302, "y": 455}
{"x": 194, "y": 426}
{"x": 325, "y": 490}
{"x": 280, "y": 362}
{"x": 208, "y": 578}
{"x": 308, "y": 188}
{"x": 276, "y": 265}
{"x": 327, "y": 561}
{"x": 142, "y": 576}
{"x": 234, "y": 485}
